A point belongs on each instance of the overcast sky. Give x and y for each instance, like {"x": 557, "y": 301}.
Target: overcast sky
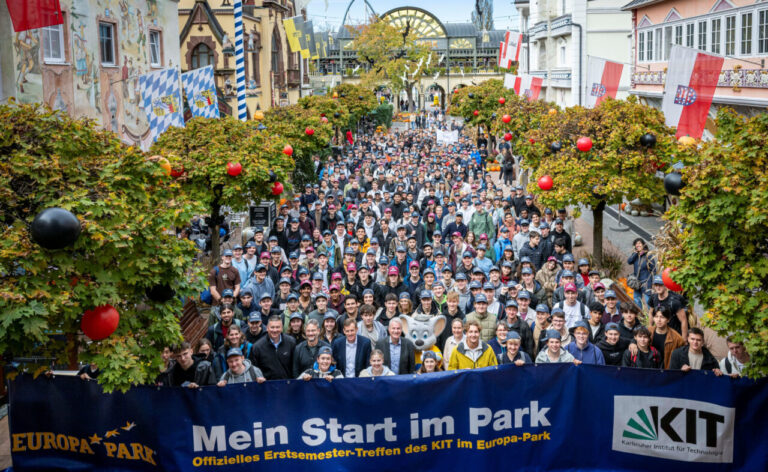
{"x": 447, "y": 11}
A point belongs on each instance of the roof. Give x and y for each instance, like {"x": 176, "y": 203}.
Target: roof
{"x": 218, "y": 31}
{"x": 457, "y": 30}
{"x": 634, "y": 4}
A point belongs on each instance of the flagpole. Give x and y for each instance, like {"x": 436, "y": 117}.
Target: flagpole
{"x": 242, "y": 111}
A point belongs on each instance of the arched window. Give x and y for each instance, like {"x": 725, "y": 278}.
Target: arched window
{"x": 202, "y": 56}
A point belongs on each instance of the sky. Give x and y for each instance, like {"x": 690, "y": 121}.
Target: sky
{"x": 447, "y": 11}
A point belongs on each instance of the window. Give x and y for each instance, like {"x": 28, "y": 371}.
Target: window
{"x": 730, "y": 35}
{"x": 107, "y": 43}
{"x": 689, "y": 35}
{"x": 703, "y": 35}
{"x": 762, "y": 32}
{"x": 659, "y": 45}
{"x": 641, "y": 47}
{"x": 53, "y": 44}
{"x": 746, "y": 33}
{"x": 202, "y": 56}
{"x": 562, "y": 56}
{"x": 679, "y": 34}
{"x": 667, "y": 42}
{"x": 155, "y": 45}
{"x": 715, "y": 46}
{"x": 649, "y": 46}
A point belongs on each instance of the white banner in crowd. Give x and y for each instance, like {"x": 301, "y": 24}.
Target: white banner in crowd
{"x": 447, "y": 137}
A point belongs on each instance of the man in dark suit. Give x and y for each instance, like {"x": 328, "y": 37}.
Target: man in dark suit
{"x": 399, "y": 352}
{"x": 351, "y": 352}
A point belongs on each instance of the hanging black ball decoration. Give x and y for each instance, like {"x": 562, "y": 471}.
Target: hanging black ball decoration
{"x": 336, "y": 115}
{"x": 160, "y": 293}
{"x": 673, "y": 182}
{"x": 272, "y": 176}
{"x": 471, "y": 95}
{"x": 556, "y": 146}
{"x": 648, "y": 140}
{"x": 55, "y": 228}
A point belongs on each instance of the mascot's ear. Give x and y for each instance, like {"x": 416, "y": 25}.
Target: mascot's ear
{"x": 406, "y": 320}
{"x": 438, "y": 324}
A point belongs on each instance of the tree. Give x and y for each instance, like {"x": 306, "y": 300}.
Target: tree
{"x": 483, "y": 98}
{"x": 292, "y": 123}
{"x": 127, "y": 207}
{"x": 715, "y": 239}
{"x": 392, "y": 55}
{"x": 482, "y": 15}
{"x": 204, "y": 148}
{"x": 356, "y": 100}
{"x": 618, "y": 167}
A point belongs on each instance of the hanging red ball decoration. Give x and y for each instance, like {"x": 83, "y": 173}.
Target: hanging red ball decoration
{"x": 545, "y": 182}
{"x": 277, "y": 188}
{"x": 177, "y": 172}
{"x": 502, "y": 101}
{"x": 234, "y": 168}
{"x": 309, "y": 131}
{"x": 531, "y": 140}
{"x": 668, "y": 282}
{"x": 507, "y": 136}
{"x": 584, "y": 144}
{"x": 323, "y": 119}
{"x": 476, "y": 112}
{"x": 506, "y": 118}
{"x": 288, "y": 150}
{"x": 100, "y": 322}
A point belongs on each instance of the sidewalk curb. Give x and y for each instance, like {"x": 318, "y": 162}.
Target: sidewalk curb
{"x": 635, "y": 228}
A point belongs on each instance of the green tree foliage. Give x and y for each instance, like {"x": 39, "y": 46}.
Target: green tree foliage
{"x": 524, "y": 116}
{"x": 205, "y": 146}
{"x": 127, "y": 207}
{"x": 356, "y": 100}
{"x": 483, "y": 98}
{"x": 291, "y": 124}
{"x": 618, "y": 167}
{"x": 392, "y": 56}
{"x": 383, "y": 115}
{"x": 716, "y": 237}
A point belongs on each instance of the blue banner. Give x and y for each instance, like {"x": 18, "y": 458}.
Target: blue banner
{"x": 551, "y": 417}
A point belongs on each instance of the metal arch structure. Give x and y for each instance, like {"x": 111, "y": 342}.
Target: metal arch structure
{"x": 423, "y": 23}
{"x": 349, "y": 5}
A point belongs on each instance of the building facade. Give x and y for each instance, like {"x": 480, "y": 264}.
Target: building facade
{"x": 273, "y": 74}
{"x": 562, "y": 35}
{"x": 736, "y": 29}
{"x": 89, "y": 66}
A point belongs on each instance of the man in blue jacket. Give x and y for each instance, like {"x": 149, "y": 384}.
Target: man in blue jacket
{"x": 351, "y": 352}
{"x": 582, "y": 350}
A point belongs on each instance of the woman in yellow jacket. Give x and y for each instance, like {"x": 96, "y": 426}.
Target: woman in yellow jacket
{"x": 472, "y": 352}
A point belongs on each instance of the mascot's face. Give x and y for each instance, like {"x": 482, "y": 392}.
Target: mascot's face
{"x": 423, "y": 330}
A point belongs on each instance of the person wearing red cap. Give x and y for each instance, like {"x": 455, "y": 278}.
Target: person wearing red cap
{"x": 574, "y": 310}
{"x": 393, "y": 285}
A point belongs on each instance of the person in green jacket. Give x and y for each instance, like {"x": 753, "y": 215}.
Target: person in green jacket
{"x": 482, "y": 222}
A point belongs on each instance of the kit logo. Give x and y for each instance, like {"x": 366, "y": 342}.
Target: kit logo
{"x": 673, "y": 428}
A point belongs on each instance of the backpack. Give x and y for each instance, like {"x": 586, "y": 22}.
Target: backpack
{"x": 206, "y": 296}
{"x": 655, "y": 357}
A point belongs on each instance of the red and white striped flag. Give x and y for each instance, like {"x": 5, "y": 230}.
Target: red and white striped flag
{"x": 603, "y": 79}
{"x": 509, "y": 49}
{"x": 524, "y": 85}
{"x": 691, "y": 82}
{"x": 32, "y": 14}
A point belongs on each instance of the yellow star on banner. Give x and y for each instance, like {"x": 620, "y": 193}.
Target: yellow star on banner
{"x": 111, "y": 433}
{"x": 128, "y": 426}
{"x": 95, "y": 439}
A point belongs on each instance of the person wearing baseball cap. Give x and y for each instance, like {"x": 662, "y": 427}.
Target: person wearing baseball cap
{"x": 323, "y": 367}
{"x": 487, "y": 321}
{"x": 393, "y": 285}
{"x": 583, "y": 351}
{"x": 662, "y": 296}
{"x": 239, "y": 371}
{"x": 553, "y": 353}
{"x": 519, "y": 327}
{"x": 521, "y": 238}
{"x": 612, "y": 345}
{"x": 574, "y": 309}
{"x": 224, "y": 276}
{"x": 513, "y": 353}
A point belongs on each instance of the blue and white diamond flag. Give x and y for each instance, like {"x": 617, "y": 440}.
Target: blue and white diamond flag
{"x": 161, "y": 100}
{"x": 201, "y": 92}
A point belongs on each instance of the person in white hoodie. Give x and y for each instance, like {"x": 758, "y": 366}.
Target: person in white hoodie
{"x": 377, "y": 367}
{"x": 733, "y": 363}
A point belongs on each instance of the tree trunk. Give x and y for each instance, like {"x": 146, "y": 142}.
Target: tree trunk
{"x": 597, "y": 234}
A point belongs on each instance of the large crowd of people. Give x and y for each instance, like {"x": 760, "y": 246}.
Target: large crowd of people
{"x": 407, "y": 257}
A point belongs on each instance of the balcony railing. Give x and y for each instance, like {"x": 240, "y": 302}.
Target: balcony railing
{"x": 539, "y": 73}
{"x": 294, "y": 77}
{"x": 538, "y": 30}
{"x": 561, "y": 75}
{"x": 561, "y": 25}
{"x": 741, "y": 78}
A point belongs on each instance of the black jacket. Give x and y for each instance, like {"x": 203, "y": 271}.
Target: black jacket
{"x": 274, "y": 363}
{"x": 407, "y": 354}
{"x": 613, "y": 353}
{"x": 215, "y": 336}
{"x": 203, "y": 374}
{"x": 526, "y": 335}
{"x": 304, "y": 356}
{"x": 644, "y": 360}
{"x": 680, "y": 358}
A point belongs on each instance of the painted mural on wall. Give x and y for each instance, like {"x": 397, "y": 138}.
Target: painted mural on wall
{"x": 82, "y": 85}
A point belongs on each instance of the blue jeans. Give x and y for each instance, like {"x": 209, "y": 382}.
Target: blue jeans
{"x": 640, "y": 296}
